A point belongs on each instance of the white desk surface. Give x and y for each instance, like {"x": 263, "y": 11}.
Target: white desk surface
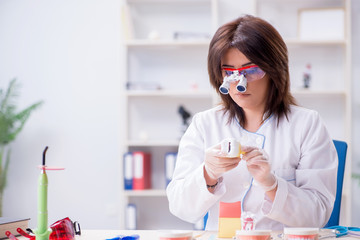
{"x": 153, "y": 235}
{"x": 144, "y": 234}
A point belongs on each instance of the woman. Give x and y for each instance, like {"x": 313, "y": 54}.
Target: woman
{"x": 287, "y": 175}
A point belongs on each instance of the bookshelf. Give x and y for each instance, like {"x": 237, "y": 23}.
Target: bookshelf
{"x": 173, "y": 72}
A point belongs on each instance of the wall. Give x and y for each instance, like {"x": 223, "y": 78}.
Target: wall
{"x": 68, "y": 53}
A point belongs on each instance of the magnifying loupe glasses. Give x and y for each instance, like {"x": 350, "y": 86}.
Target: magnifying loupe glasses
{"x": 242, "y": 75}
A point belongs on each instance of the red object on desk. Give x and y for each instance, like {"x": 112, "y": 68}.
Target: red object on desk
{"x": 230, "y": 210}
{"x": 142, "y": 170}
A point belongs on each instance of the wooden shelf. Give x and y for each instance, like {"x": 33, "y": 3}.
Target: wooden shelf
{"x": 145, "y": 193}
{"x": 167, "y": 43}
{"x": 321, "y": 93}
{"x": 170, "y": 93}
{"x": 171, "y": 1}
{"x": 152, "y": 143}
{"x": 315, "y": 42}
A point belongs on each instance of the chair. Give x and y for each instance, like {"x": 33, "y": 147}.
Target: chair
{"x": 341, "y": 148}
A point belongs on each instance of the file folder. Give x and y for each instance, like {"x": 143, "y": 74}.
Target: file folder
{"x": 128, "y": 171}
{"x": 130, "y": 214}
{"x": 170, "y": 161}
{"x": 142, "y": 170}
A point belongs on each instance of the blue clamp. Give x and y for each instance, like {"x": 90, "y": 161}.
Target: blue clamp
{"x": 122, "y": 237}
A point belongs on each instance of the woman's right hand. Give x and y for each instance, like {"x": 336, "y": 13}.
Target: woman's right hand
{"x": 216, "y": 162}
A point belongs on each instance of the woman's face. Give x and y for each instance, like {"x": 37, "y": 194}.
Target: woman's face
{"x": 254, "y": 98}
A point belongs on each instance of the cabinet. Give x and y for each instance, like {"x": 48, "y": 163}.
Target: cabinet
{"x": 165, "y": 52}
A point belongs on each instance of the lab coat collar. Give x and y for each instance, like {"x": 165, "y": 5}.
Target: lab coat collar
{"x": 255, "y": 139}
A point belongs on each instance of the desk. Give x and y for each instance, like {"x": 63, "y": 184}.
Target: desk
{"x": 153, "y": 235}
{"x": 144, "y": 234}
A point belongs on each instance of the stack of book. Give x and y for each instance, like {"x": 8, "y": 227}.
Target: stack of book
{"x": 11, "y": 224}
{"x": 137, "y": 170}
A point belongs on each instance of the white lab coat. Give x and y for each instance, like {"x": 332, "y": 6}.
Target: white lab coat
{"x": 302, "y": 157}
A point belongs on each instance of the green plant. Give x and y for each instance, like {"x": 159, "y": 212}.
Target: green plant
{"x": 11, "y": 124}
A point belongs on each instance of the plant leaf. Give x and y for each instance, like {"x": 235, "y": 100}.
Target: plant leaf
{"x": 19, "y": 121}
{"x": 7, "y": 103}
{"x": 11, "y": 123}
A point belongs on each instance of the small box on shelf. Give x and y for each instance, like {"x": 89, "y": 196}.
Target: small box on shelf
{"x": 321, "y": 24}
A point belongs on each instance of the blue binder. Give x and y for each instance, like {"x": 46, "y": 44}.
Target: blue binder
{"x": 128, "y": 171}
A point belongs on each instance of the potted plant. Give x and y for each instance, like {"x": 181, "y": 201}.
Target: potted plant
{"x": 11, "y": 123}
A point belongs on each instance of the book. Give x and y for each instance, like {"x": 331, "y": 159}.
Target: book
{"x": 11, "y": 224}
{"x": 142, "y": 170}
{"x": 128, "y": 171}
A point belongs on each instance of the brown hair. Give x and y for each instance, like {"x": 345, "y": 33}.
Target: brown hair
{"x": 261, "y": 43}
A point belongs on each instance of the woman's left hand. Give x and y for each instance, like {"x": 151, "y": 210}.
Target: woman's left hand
{"x": 259, "y": 167}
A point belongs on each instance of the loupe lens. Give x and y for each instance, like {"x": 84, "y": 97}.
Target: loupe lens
{"x": 224, "y": 88}
{"x": 241, "y": 86}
